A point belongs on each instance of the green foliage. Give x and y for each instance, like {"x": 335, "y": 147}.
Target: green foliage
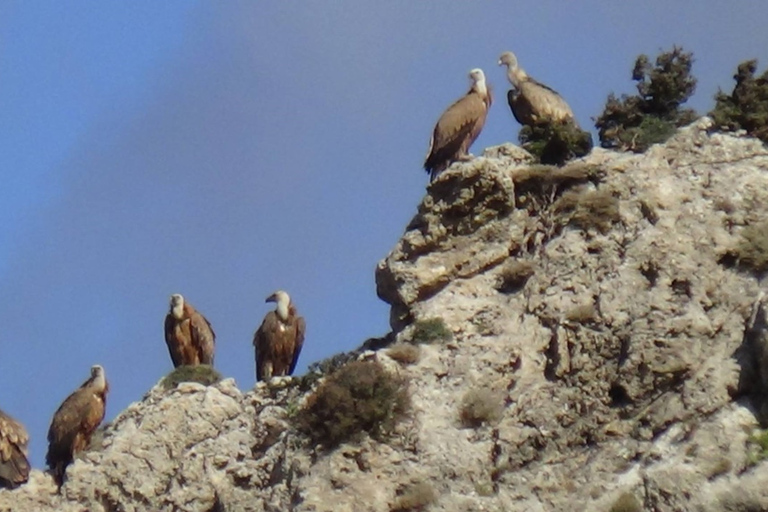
{"x": 752, "y": 249}
{"x": 626, "y": 503}
{"x": 430, "y": 331}
{"x": 481, "y": 406}
{"x": 414, "y": 497}
{"x": 757, "y": 447}
{"x": 359, "y": 397}
{"x": 589, "y": 209}
{"x": 746, "y": 108}
{"x": 634, "y": 123}
{"x": 201, "y": 373}
{"x": 404, "y": 353}
{"x": 555, "y": 143}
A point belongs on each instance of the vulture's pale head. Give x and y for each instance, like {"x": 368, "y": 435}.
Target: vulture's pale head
{"x": 177, "y": 305}
{"x": 282, "y": 299}
{"x": 478, "y": 80}
{"x": 508, "y": 59}
{"x": 99, "y": 378}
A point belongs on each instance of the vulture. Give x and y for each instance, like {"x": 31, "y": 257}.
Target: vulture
{"x": 189, "y": 335}
{"x": 459, "y": 126}
{"x": 14, "y": 466}
{"x": 532, "y": 101}
{"x": 75, "y": 421}
{"x": 278, "y": 340}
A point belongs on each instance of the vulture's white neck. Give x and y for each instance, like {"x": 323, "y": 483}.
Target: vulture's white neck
{"x": 99, "y": 382}
{"x": 480, "y": 87}
{"x": 282, "y": 308}
{"x": 178, "y": 311}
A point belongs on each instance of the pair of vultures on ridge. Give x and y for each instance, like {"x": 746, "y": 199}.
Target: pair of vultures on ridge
{"x": 191, "y": 342}
{"x": 531, "y": 102}
{"x": 278, "y": 340}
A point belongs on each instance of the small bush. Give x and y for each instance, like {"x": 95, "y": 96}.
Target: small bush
{"x": 757, "y": 447}
{"x": 582, "y": 314}
{"x": 555, "y": 143}
{"x": 752, "y": 249}
{"x": 404, "y": 353}
{"x": 202, "y": 373}
{"x": 359, "y": 397}
{"x": 481, "y": 406}
{"x": 414, "y": 497}
{"x": 513, "y": 275}
{"x": 430, "y": 331}
{"x": 597, "y": 209}
{"x": 746, "y": 108}
{"x": 634, "y": 123}
{"x": 626, "y": 503}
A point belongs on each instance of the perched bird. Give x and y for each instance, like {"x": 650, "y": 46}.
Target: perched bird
{"x": 14, "y": 466}
{"x": 532, "y": 101}
{"x": 459, "y": 126}
{"x": 75, "y": 421}
{"x": 189, "y": 335}
{"x": 278, "y": 340}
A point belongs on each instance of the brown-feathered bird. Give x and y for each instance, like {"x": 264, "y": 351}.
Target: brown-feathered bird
{"x": 459, "y": 126}
{"x": 14, "y": 466}
{"x": 532, "y": 101}
{"x": 279, "y": 339}
{"x": 189, "y": 335}
{"x": 75, "y": 421}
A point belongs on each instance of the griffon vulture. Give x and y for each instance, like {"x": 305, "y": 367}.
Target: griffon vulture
{"x": 459, "y": 126}
{"x": 190, "y": 338}
{"x": 75, "y": 421}
{"x": 278, "y": 340}
{"x": 532, "y": 101}
{"x": 14, "y": 466}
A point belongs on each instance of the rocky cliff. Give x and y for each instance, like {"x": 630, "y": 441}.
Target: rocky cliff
{"x": 596, "y": 340}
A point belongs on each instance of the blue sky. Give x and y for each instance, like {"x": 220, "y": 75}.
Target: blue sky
{"x": 224, "y": 150}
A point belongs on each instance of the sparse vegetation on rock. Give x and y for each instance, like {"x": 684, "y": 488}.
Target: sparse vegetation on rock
{"x": 751, "y": 251}
{"x": 360, "y": 397}
{"x": 414, "y": 498}
{"x": 431, "y": 330}
{"x": 404, "y": 353}
{"x": 481, "y": 406}
{"x": 746, "y": 108}
{"x": 626, "y": 503}
{"x": 634, "y": 123}
{"x": 202, "y": 374}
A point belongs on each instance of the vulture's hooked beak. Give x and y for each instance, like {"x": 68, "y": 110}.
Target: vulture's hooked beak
{"x": 271, "y": 298}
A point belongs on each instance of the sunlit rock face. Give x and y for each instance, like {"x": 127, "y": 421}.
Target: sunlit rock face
{"x": 589, "y": 336}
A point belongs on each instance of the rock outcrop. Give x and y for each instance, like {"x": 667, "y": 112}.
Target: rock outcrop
{"x": 604, "y": 354}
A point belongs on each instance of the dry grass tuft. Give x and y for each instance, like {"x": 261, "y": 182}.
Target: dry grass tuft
{"x": 404, "y": 353}
{"x": 481, "y": 406}
{"x": 414, "y": 497}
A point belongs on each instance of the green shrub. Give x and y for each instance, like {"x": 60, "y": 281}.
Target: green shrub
{"x": 359, "y": 397}
{"x": 746, "y": 108}
{"x": 481, "y": 406}
{"x": 634, "y": 123}
{"x": 555, "y": 143}
{"x": 430, "y": 331}
{"x": 626, "y": 503}
{"x": 404, "y": 353}
{"x": 414, "y": 497}
{"x": 757, "y": 447}
{"x": 201, "y": 373}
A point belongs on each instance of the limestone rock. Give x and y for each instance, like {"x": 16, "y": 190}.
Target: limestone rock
{"x": 599, "y": 305}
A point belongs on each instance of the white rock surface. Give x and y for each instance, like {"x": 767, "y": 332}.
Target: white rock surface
{"x": 620, "y": 354}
